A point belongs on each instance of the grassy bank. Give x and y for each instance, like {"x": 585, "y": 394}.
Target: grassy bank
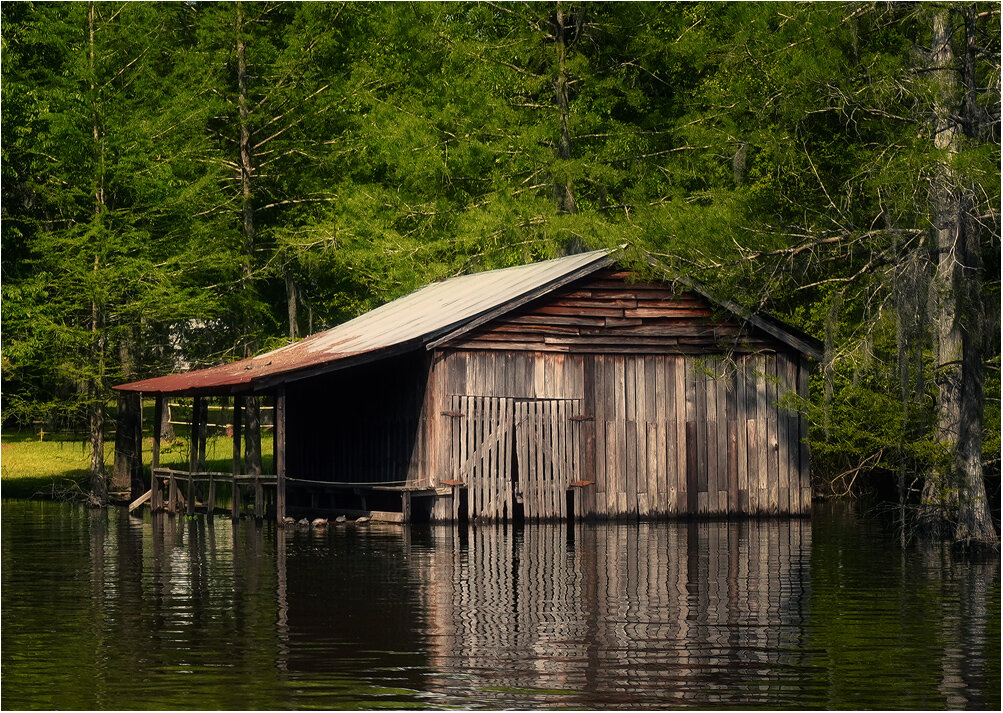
{"x": 31, "y": 467}
{"x": 34, "y": 468}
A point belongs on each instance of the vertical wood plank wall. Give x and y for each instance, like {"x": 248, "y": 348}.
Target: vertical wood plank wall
{"x": 667, "y": 434}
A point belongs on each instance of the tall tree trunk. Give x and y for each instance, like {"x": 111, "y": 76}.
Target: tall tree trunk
{"x": 956, "y": 493}
{"x": 246, "y": 168}
{"x": 252, "y": 434}
{"x": 99, "y": 488}
{"x": 128, "y": 469}
{"x": 127, "y": 474}
{"x": 166, "y": 427}
{"x": 974, "y": 523}
{"x": 291, "y": 296}
{"x": 563, "y": 188}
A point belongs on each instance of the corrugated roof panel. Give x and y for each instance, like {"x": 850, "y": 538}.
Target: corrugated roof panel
{"x": 419, "y": 317}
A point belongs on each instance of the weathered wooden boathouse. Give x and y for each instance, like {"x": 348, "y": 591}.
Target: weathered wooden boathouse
{"x": 564, "y": 388}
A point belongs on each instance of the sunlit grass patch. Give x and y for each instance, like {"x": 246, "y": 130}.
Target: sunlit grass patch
{"x": 36, "y": 468}
{"x": 30, "y": 467}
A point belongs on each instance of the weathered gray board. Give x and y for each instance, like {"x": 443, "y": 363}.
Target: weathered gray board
{"x": 514, "y": 453}
{"x": 653, "y": 435}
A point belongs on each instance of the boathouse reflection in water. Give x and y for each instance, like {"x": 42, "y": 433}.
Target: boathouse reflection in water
{"x": 667, "y": 613}
{"x": 671, "y": 610}
{"x": 200, "y": 613}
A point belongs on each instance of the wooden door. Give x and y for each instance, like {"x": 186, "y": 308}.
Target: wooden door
{"x": 481, "y": 449}
{"x": 548, "y": 455}
{"x": 510, "y": 452}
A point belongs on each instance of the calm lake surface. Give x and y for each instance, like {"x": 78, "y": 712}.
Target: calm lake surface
{"x": 106, "y": 611}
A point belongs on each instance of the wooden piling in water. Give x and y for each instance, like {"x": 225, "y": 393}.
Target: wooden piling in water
{"x": 279, "y": 434}
{"x": 172, "y": 494}
{"x": 238, "y": 405}
{"x": 210, "y": 505}
{"x": 157, "y": 501}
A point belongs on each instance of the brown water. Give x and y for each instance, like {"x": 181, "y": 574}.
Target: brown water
{"x": 106, "y": 611}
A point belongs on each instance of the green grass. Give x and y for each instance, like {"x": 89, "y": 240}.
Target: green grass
{"x": 34, "y": 468}
{"x": 31, "y": 468}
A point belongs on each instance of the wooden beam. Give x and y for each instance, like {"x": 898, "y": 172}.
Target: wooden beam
{"x": 279, "y": 436}
{"x": 238, "y": 404}
{"x": 158, "y": 497}
{"x": 140, "y": 500}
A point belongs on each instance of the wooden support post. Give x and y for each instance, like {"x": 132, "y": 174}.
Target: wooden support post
{"x": 235, "y": 501}
{"x": 157, "y": 496}
{"x": 211, "y": 501}
{"x": 138, "y": 482}
{"x": 406, "y": 505}
{"x": 172, "y": 494}
{"x": 279, "y": 434}
{"x": 200, "y": 465}
{"x": 157, "y": 502}
{"x": 202, "y": 432}
{"x": 238, "y": 403}
{"x": 193, "y": 458}
{"x": 259, "y": 499}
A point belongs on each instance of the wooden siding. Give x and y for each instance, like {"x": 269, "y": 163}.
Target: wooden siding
{"x": 652, "y": 435}
{"x": 646, "y": 404}
{"x": 605, "y": 314}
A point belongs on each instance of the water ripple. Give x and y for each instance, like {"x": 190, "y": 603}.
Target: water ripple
{"x": 101, "y": 610}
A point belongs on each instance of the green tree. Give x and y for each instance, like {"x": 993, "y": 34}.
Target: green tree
{"x": 856, "y": 181}
{"x": 89, "y": 273}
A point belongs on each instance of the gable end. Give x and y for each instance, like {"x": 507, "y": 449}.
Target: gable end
{"x": 605, "y": 313}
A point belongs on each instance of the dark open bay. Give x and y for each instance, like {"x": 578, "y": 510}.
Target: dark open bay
{"x": 106, "y": 611}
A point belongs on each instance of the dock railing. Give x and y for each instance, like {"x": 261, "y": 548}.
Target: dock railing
{"x": 186, "y": 492}
{"x": 185, "y": 488}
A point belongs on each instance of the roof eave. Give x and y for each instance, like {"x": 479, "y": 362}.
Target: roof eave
{"x": 805, "y": 344}
{"x": 467, "y": 326}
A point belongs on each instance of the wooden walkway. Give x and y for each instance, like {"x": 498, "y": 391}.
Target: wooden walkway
{"x": 195, "y": 489}
{"x": 190, "y": 492}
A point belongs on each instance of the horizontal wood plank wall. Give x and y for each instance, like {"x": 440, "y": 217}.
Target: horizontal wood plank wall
{"x": 606, "y": 314}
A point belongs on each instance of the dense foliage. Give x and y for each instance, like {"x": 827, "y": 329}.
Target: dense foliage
{"x": 185, "y": 183}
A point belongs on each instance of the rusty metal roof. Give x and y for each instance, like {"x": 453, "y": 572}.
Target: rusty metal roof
{"x": 425, "y": 318}
{"x": 406, "y": 324}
